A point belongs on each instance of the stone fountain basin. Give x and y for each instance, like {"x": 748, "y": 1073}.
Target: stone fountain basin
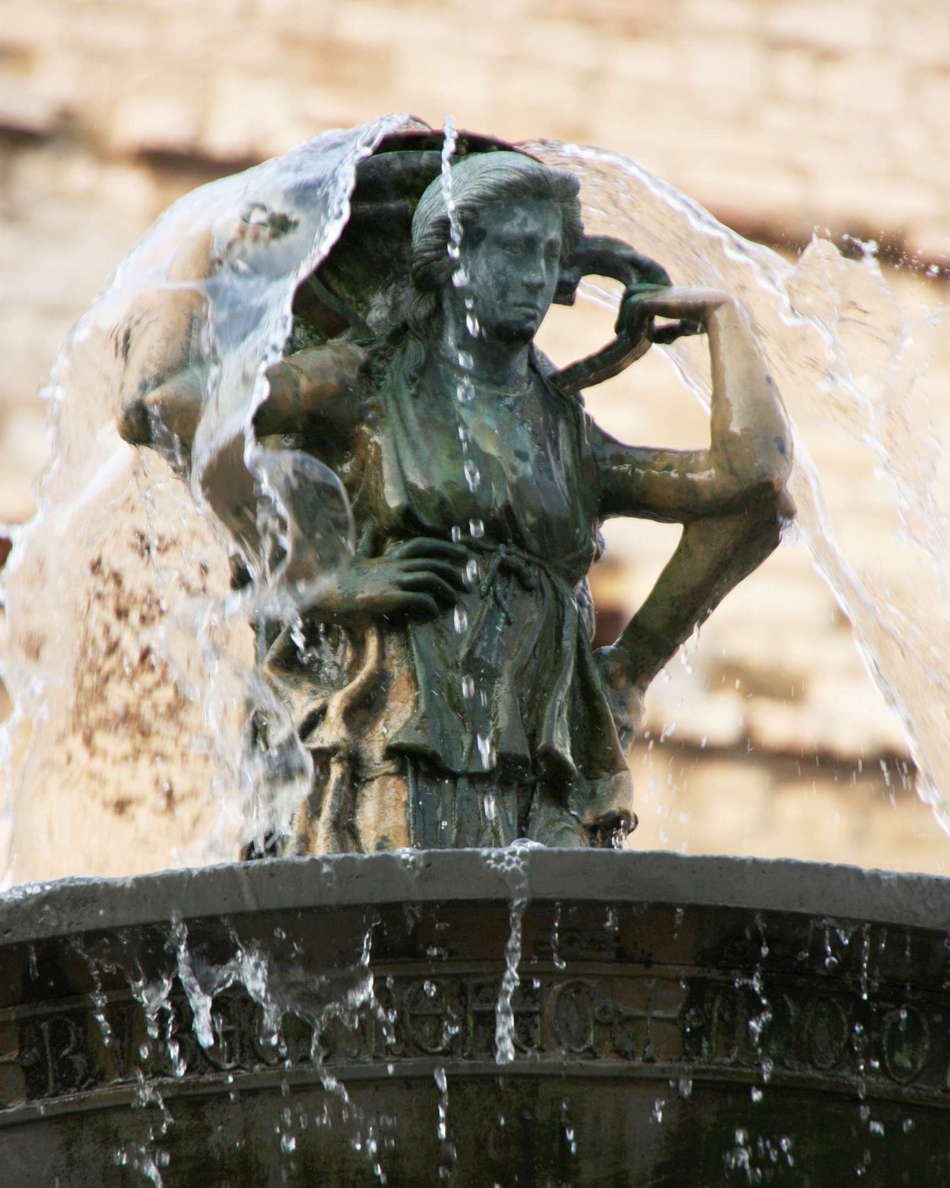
{"x": 676, "y": 1021}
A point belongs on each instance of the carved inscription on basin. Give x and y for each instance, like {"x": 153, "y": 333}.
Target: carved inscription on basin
{"x": 592, "y": 1006}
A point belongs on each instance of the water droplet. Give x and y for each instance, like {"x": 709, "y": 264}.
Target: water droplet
{"x": 485, "y": 751}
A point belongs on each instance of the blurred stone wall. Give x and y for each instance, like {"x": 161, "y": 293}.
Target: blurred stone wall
{"x": 779, "y": 115}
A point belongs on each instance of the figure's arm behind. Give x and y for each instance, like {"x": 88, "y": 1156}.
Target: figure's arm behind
{"x": 309, "y": 392}
{"x": 163, "y": 346}
{"x": 731, "y": 498}
{"x": 160, "y": 343}
{"x": 313, "y": 392}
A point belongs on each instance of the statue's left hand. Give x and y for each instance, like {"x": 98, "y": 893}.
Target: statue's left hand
{"x": 634, "y": 317}
{"x": 646, "y": 286}
{"x": 643, "y": 303}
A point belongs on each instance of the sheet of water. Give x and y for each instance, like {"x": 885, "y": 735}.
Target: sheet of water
{"x": 130, "y": 662}
{"x": 850, "y": 359}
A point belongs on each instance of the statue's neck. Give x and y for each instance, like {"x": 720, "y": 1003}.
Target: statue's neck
{"x": 485, "y": 359}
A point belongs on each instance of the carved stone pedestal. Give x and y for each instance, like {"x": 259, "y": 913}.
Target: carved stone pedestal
{"x": 513, "y": 1017}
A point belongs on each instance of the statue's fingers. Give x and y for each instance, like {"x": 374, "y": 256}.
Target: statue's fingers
{"x": 670, "y": 331}
{"x": 450, "y": 572}
{"x": 430, "y": 546}
{"x": 429, "y": 583}
{"x": 678, "y": 301}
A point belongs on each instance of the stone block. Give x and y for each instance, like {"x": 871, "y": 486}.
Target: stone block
{"x": 737, "y": 180}
{"x": 738, "y": 18}
{"x": 626, "y": 18}
{"x": 826, "y": 26}
{"x": 723, "y": 72}
{"x": 919, "y": 34}
{"x": 931, "y": 98}
{"x": 930, "y": 240}
{"x": 840, "y": 199}
{"x": 870, "y": 85}
{"x": 158, "y": 121}
{"x": 30, "y": 27}
{"x": 793, "y": 75}
{"x": 632, "y": 68}
{"x": 26, "y": 109}
{"x": 245, "y": 118}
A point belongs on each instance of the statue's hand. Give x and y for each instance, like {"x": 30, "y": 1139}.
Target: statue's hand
{"x": 416, "y": 579}
{"x": 635, "y": 317}
{"x": 689, "y": 307}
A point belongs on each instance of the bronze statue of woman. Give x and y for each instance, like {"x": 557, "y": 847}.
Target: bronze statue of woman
{"x": 444, "y": 680}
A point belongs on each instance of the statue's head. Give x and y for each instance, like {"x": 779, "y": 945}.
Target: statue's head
{"x": 520, "y": 221}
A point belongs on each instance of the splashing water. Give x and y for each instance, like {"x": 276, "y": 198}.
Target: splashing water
{"x": 133, "y": 674}
{"x": 130, "y": 663}
{"x": 511, "y": 864}
{"x": 851, "y": 364}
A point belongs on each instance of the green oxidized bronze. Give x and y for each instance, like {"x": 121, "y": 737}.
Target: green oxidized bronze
{"x": 445, "y": 683}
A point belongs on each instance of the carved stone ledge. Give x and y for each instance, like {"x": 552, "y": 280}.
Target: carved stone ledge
{"x": 650, "y": 1028}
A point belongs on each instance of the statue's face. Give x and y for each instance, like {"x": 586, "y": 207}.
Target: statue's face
{"x": 512, "y": 257}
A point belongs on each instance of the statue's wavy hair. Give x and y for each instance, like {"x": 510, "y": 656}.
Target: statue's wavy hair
{"x": 479, "y": 182}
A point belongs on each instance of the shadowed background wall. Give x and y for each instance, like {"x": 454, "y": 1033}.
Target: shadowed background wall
{"x": 781, "y": 116}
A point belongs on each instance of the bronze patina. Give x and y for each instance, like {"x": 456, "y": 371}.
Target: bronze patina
{"x": 443, "y": 678}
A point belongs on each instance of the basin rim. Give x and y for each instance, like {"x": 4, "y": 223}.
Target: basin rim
{"x": 38, "y": 911}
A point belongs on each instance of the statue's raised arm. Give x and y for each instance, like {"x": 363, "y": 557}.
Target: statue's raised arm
{"x": 750, "y": 451}
{"x": 731, "y": 497}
